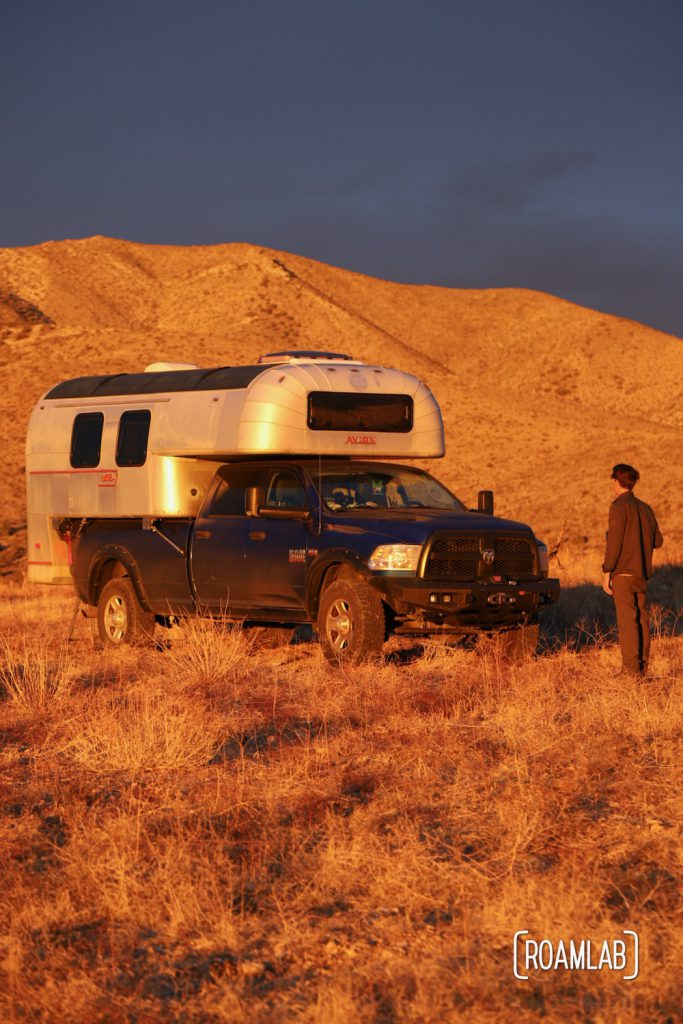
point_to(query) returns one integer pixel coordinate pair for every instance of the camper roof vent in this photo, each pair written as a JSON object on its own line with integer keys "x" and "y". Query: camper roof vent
{"x": 299, "y": 356}
{"x": 164, "y": 367}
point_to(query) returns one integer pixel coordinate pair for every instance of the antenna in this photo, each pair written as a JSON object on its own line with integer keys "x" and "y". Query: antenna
{"x": 320, "y": 493}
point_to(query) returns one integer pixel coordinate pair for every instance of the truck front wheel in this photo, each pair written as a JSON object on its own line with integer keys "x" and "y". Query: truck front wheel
{"x": 351, "y": 621}
{"x": 120, "y": 617}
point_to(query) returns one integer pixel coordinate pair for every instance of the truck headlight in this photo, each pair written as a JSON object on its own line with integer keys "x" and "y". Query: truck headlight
{"x": 543, "y": 559}
{"x": 395, "y": 558}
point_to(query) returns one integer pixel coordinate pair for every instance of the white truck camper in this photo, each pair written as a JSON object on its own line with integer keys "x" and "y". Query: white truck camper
{"x": 149, "y": 444}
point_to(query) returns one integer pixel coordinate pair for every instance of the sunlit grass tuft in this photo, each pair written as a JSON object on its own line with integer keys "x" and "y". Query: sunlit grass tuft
{"x": 209, "y": 651}
{"x": 142, "y": 730}
{"x": 35, "y": 672}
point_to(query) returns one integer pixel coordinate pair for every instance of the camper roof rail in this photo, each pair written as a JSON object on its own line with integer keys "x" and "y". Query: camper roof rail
{"x": 296, "y": 356}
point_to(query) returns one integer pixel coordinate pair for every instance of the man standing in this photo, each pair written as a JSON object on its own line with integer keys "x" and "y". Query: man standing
{"x": 632, "y": 535}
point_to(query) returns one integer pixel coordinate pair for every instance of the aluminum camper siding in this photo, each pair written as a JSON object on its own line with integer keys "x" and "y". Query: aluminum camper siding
{"x": 191, "y": 433}
{"x": 269, "y": 416}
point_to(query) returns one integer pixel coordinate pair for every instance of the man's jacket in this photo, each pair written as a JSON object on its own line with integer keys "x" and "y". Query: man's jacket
{"x": 631, "y": 536}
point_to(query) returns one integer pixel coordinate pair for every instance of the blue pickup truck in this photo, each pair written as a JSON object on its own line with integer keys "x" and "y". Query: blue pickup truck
{"x": 361, "y": 549}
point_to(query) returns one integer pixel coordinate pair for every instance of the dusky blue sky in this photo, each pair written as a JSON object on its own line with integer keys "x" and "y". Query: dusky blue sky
{"x": 529, "y": 143}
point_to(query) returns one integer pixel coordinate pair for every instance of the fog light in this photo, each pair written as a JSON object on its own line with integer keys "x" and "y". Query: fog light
{"x": 433, "y": 598}
{"x": 446, "y": 598}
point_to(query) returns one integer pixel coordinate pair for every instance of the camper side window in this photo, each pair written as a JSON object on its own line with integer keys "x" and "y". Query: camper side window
{"x": 131, "y": 445}
{"x": 86, "y": 440}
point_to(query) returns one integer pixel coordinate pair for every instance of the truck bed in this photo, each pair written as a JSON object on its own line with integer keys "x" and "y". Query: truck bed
{"x": 160, "y": 572}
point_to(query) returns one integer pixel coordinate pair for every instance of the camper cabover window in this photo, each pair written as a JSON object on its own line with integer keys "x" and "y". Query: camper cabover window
{"x": 329, "y": 410}
{"x": 86, "y": 440}
{"x": 131, "y": 445}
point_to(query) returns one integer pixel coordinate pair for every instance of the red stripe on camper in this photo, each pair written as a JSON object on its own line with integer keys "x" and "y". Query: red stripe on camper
{"x": 62, "y": 472}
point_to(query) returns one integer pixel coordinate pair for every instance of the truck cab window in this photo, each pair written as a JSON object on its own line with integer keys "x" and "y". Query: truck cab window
{"x": 286, "y": 491}
{"x": 394, "y": 487}
{"x": 231, "y": 493}
{"x": 86, "y": 440}
{"x": 131, "y": 444}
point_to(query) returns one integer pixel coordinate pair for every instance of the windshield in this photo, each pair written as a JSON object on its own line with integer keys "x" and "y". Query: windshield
{"x": 393, "y": 487}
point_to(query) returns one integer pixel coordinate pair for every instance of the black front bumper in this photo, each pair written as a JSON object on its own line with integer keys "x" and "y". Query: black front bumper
{"x": 467, "y": 607}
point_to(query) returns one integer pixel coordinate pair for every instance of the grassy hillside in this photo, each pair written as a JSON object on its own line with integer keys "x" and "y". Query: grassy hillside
{"x": 540, "y": 397}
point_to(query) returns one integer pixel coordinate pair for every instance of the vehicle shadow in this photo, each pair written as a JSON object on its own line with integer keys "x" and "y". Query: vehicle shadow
{"x": 270, "y": 737}
{"x": 584, "y": 615}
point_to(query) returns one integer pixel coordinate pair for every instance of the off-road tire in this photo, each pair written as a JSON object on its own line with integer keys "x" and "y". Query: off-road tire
{"x": 351, "y": 621}
{"x": 120, "y": 617}
{"x": 519, "y": 644}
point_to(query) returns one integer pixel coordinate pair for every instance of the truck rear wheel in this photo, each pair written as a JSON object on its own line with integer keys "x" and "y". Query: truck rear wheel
{"x": 351, "y": 621}
{"x": 120, "y": 617}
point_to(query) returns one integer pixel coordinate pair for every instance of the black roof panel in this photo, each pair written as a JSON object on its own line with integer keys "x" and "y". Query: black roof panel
{"x": 219, "y": 378}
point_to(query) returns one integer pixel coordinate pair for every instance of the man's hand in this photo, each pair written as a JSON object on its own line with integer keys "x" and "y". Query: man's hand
{"x": 606, "y": 584}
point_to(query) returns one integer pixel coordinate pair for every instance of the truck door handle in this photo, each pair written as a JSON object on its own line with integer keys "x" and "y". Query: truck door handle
{"x": 202, "y": 534}
{"x": 257, "y": 535}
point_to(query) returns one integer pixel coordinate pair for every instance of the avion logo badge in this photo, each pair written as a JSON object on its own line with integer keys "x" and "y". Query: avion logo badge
{"x": 360, "y": 439}
{"x": 109, "y": 478}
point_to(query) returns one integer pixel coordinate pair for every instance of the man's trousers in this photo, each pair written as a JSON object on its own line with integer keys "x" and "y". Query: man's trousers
{"x": 633, "y": 621}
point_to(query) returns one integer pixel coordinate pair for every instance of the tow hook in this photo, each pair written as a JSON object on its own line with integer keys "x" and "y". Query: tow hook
{"x": 502, "y": 598}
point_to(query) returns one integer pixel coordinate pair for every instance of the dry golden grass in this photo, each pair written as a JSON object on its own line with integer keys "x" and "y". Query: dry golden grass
{"x": 211, "y": 831}
{"x": 35, "y": 673}
{"x": 291, "y": 841}
{"x": 210, "y": 651}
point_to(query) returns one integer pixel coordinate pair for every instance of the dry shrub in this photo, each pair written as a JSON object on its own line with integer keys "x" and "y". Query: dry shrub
{"x": 140, "y": 731}
{"x": 335, "y": 1004}
{"x": 209, "y": 651}
{"x": 35, "y": 673}
{"x": 137, "y": 865}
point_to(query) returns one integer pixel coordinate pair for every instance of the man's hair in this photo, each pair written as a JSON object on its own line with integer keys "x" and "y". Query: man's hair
{"x": 626, "y": 475}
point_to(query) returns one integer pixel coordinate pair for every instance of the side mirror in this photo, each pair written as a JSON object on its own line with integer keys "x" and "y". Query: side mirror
{"x": 485, "y": 502}
{"x": 255, "y": 505}
{"x": 256, "y": 497}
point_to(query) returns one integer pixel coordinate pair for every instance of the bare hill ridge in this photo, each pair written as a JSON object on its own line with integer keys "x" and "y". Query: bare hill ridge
{"x": 540, "y": 396}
